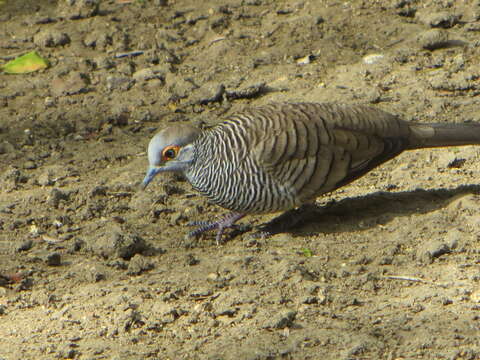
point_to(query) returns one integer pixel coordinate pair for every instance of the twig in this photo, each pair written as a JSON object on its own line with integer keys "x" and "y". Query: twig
{"x": 51, "y": 240}
{"x": 131, "y": 53}
{"x": 407, "y": 278}
{"x": 217, "y": 39}
{"x": 414, "y": 279}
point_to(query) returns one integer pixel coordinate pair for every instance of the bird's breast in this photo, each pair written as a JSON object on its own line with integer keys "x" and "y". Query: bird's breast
{"x": 238, "y": 184}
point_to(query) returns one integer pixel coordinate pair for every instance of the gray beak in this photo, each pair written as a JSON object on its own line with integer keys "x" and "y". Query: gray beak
{"x": 151, "y": 172}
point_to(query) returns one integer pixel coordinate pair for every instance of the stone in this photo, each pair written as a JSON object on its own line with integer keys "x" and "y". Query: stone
{"x": 433, "y": 39}
{"x": 51, "y": 38}
{"x": 6, "y": 147}
{"x": 54, "y": 259}
{"x": 282, "y": 320}
{"x": 116, "y": 243}
{"x": 55, "y": 196}
{"x": 432, "y": 249}
{"x": 25, "y": 246}
{"x": 72, "y": 84}
{"x": 139, "y": 264}
{"x": 373, "y": 58}
{"x": 29, "y": 165}
{"x": 77, "y": 9}
{"x": 145, "y": 75}
{"x": 441, "y": 19}
{"x": 451, "y": 160}
{"x": 121, "y": 83}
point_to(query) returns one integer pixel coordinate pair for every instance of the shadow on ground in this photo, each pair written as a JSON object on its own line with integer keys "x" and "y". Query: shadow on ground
{"x": 359, "y": 213}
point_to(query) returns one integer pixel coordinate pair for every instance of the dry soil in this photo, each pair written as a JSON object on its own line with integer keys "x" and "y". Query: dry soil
{"x": 92, "y": 268}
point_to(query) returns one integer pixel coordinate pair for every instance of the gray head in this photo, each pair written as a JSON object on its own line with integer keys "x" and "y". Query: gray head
{"x": 171, "y": 149}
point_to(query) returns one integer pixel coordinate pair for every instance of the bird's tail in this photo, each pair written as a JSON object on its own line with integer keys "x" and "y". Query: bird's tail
{"x": 440, "y": 135}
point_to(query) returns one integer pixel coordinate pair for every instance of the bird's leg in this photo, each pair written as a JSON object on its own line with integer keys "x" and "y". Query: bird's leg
{"x": 222, "y": 224}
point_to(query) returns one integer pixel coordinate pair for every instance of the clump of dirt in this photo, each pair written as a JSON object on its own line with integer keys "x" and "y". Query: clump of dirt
{"x": 92, "y": 268}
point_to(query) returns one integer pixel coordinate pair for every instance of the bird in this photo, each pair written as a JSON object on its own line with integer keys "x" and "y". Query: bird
{"x": 280, "y": 156}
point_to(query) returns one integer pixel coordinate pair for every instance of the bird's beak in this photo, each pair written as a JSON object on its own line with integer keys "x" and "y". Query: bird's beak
{"x": 151, "y": 172}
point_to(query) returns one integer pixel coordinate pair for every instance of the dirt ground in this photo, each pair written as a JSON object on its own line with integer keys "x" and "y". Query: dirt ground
{"x": 93, "y": 268}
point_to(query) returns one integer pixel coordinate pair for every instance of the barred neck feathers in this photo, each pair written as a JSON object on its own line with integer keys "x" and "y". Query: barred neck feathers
{"x": 218, "y": 153}
{"x": 226, "y": 172}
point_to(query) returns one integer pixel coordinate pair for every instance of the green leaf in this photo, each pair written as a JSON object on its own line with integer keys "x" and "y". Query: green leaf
{"x": 24, "y": 64}
{"x": 307, "y": 252}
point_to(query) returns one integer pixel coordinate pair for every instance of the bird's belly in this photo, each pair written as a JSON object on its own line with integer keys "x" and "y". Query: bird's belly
{"x": 243, "y": 192}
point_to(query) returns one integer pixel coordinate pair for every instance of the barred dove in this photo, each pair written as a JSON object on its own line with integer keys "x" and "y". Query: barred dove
{"x": 280, "y": 156}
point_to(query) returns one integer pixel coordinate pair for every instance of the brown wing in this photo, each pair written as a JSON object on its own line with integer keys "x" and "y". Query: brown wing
{"x": 312, "y": 149}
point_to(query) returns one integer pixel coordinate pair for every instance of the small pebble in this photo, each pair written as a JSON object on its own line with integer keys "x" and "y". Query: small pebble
{"x": 121, "y": 83}
{"x": 446, "y": 301}
{"x": 25, "y": 246}
{"x": 442, "y": 19}
{"x": 309, "y": 300}
{"x": 451, "y": 160}
{"x": 29, "y": 165}
{"x": 45, "y": 179}
{"x": 475, "y": 296}
{"x": 144, "y": 75}
{"x": 139, "y": 264}
{"x": 49, "y": 101}
{"x": 72, "y": 84}
{"x": 103, "y": 62}
{"x": 54, "y": 259}
{"x": 191, "y": 260}
{"x": 55, "y": 196}
{"x": 51, "y": 38}
{"x": 305, "y": 60}
{"x": 116, "y": 243}
{"x": 282, "y": 320}
{"x": 201, "y": 293}
{"x": 6, "y": 147}
{"x": 24, "y": 284}
{"x": 433, "y": 39}
{"x": 432, "y": 249}
{"x": 77, "y": 9}
{"x": 373, "y": 58}
{"x": 95, "y": 275}
{"x": 212, "y": 277}
{"x": 225, "y": 311}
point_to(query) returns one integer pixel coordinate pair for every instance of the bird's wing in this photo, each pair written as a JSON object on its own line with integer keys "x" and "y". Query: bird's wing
{"x": 312, "y": 155}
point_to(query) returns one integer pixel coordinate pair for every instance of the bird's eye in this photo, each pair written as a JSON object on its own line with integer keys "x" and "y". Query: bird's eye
{"x": 170, "y": 153}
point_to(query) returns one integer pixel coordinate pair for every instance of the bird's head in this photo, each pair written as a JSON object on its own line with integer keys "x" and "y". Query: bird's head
{"x": 171, "y": 149}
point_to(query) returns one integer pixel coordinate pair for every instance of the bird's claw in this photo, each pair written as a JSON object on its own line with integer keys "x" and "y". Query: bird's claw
{"x": 220, "y": 225}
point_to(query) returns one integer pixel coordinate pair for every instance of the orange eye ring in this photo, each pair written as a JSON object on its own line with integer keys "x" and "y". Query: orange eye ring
{"x": 170, "y": 152}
